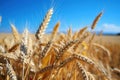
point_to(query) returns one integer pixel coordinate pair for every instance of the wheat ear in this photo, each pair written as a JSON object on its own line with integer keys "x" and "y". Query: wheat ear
{"x": 50, "y": 67}
{"x": 46, "y": 49}
{"x": 9, "y": 55}
{"x": 15, "y": 33}
{"x": 83, "y": 71}
{"x": 23, "y": 49}
{"x": 83, "y": 58}
{"x": 63, "y": 63}
{"x": 10, "y": 71}
{"x": 90, "y": 76}
{"x": 80, "y": 41}
{"x": 44, "y": 24}
{"x": 55, "y": 30}
{"x": 82, "y": 31}
{"x": 69, "y": 33}
{"x": 2, "y": 49}
{"x": 13, "y": 48}
{"x": 64, "y": 48}
{"x": 24, "y": 43}
{"x": 96, "y": 20}
{"x": 89, "y": 61}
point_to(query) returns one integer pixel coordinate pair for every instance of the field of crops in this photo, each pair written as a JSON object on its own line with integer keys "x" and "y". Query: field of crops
{"x": 81, "y": 55}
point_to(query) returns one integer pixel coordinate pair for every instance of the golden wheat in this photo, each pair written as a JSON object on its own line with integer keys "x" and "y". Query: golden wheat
{"x": 44, "y": 24}
{"x": 58, "y": 57}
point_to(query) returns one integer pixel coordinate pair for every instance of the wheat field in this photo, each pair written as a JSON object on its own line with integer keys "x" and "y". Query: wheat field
{"x": 81, "y": 55}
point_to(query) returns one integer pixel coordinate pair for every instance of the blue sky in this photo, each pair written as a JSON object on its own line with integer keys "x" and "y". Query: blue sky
{"x": 71, "y": 13}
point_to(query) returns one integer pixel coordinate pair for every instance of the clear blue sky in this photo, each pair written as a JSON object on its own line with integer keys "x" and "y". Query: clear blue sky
{"x": 71, "y": 13}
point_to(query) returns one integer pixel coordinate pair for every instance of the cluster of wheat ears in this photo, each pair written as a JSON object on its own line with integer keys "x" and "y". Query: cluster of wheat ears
{"x": 70, "y": 56}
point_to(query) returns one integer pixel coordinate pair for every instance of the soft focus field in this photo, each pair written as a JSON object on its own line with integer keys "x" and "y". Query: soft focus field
{"x": 112, "y": 43}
